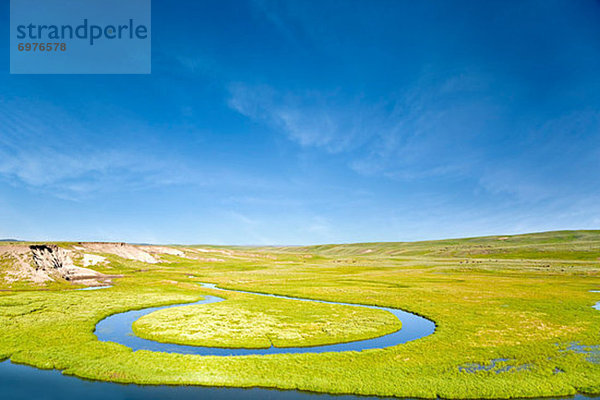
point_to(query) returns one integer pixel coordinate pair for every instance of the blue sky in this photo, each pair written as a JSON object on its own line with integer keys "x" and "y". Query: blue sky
{"x": 300, "y": 122}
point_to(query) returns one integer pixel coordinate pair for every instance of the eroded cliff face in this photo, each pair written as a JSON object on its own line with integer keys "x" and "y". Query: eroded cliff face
{"x": 49, "y": 257}
{"x": 21, "y": 266}
{"x": 56, "y": 262}
{"x": 42, "y": 262}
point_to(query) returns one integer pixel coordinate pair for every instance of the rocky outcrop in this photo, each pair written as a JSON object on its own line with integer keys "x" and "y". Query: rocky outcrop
{"x": 49, "y": 256}
{"x": 21, "y": 268}
{"x": 43, "y": 262}
{"x": 57, "y": 262}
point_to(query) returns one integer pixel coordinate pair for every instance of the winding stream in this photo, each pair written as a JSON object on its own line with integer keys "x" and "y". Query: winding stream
{"x": 118, "y": 328}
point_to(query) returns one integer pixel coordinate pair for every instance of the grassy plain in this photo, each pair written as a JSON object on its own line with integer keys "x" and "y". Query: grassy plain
{"x": 524, "y": 299}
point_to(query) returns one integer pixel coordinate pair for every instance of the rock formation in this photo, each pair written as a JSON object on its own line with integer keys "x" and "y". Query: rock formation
{"x": 57, "y": 262}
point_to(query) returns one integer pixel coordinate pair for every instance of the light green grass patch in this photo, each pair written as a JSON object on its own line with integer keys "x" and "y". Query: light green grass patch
{"x": 262, "y": 322}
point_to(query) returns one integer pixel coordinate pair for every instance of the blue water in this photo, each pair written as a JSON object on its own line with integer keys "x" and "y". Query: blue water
{"x": 118, "y": 328}
{"x": 19, "y": 382}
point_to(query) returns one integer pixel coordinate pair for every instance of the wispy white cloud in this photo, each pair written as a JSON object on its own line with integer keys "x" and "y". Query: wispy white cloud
{"x": 411, "y": 134}
{"x": 51, "y": 152}
{"x": 437, "y": 129}
{"x": 311, "y": 119}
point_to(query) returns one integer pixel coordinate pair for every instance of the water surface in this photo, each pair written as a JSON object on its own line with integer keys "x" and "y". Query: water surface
{"x": 20, "y": 382}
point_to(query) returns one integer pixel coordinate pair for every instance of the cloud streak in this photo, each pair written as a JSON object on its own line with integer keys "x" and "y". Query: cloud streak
{"x": 439, "y": 128}
{"x": 51, "y": 152}
{"x": 415, "y": 133}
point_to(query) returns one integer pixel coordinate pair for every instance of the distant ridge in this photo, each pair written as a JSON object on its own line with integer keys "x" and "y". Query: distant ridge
{"x": 583, "y": 245}
{"x": 11, "y": 240}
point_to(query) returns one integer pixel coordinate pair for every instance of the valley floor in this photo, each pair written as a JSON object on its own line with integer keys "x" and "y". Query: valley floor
{"x": 514, "y": 315}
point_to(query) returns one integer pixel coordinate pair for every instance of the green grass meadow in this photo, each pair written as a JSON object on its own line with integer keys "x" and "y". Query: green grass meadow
{"x": 525, "y": 299}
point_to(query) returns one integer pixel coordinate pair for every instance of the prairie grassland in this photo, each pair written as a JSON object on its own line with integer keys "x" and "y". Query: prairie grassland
{"x": 522, "y": 298}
